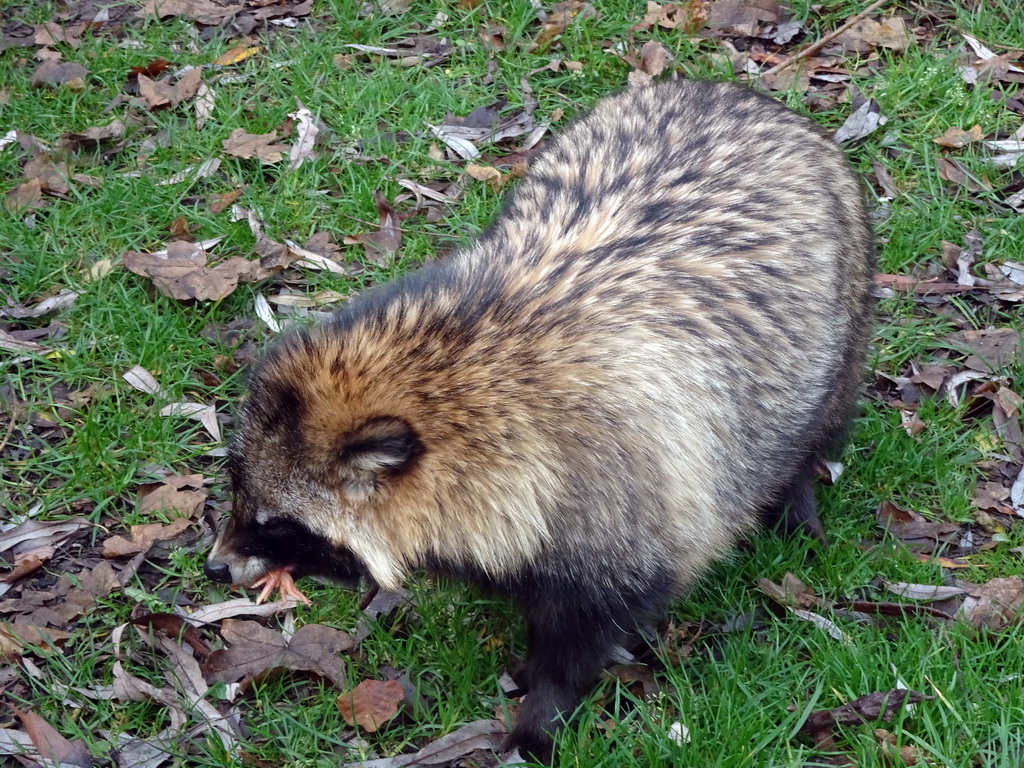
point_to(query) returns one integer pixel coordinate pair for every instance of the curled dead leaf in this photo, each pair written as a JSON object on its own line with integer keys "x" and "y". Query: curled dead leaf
{"x": 258, "y": 145}
{"x": 957, "y": 137}
{"x": 185, "y": 272}
{"x": 143, "y": 537}
{"x": 161, "y": 93}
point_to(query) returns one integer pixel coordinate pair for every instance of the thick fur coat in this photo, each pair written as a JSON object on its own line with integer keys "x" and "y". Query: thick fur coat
{"x": 648, "y": 349}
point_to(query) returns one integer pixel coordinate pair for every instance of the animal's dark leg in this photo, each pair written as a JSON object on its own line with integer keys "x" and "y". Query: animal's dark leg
{"x": 568, "y": 647}
{"x": 797, "y": 508}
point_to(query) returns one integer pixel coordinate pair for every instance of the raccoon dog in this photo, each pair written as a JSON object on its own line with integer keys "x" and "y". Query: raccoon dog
{"x": 648, "y": 349}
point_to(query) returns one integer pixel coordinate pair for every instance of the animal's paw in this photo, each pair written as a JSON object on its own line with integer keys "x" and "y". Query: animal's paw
{"x": 534, "y": 746}
{"x": 279, "y": 579}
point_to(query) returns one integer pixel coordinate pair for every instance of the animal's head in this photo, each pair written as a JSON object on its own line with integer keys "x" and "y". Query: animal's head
{"x": 311, "y": 469}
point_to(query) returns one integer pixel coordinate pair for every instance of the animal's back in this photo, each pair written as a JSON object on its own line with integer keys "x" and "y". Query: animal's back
{"x": 682, "y": 280}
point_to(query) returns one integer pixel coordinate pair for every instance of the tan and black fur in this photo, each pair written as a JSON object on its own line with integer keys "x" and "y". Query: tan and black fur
{"x": 648, "y": 349}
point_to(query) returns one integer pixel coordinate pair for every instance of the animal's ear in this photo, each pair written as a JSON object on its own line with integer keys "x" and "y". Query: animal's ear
{"x": 382, "y": 446}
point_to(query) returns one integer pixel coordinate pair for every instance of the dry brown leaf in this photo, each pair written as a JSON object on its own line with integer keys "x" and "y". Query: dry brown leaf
{"x": 948, "y": 562}
{"x": 994, "y": 605}
{"x": 654, "y": 58}
{"x": 791, "y": 593}
{"x": 53, "y": 32}
{"x": 885, "y": 180}
{"x": 222, "y": 201}
{"x": 99, "y": 134}
{"x": 55, "y": 73}
{"x": 371, "y": 703}
{"x": 868, "y": 34}
{"x": 912, "y": 423}
{"x": 479, "y": 735}
{"x": 928, "y": 593}
{"x": 52, "y": 172}
{"x": 273, "y": 255}
{"x": 255, "y": 649}
{"x": 907, "y": 754}
{"x": 143, "y": 537}
{"x": 258, "y": 145}
{"x": 239, "y": 606}
{"x": 51, "y": 746}
{"x": 178, "y": 495}
{"x": 745, "y": 18}
{"x": 951, "y": 170}
{"x": 992, "y": 496}
{"x": 180, "y": 229}
{"x": 558, "y": 18}
{"x": 25, "y": 563}
{"x": 863, "y": 121}
{"x": 914, "y": 530}
{"x": 152, "y": 69}
{"x": 881, "y": 705}
{"x": 485, "y": 173}
{"x": 387, "y": 239}
{"x": 957, "y": 137}
{"x": 185, "y": 273}
{"x": 160, "y": 93}
{"x": 989, "y": 350}
{"x": 688, "y": 16}
{"x": 28, "y": 194}
{"x": 206, "y": 12}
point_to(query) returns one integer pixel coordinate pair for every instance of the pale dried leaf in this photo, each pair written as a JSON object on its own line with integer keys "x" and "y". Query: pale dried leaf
{"x": 206, "y": 100}
{"x": 112, "y": 131}
{"x": 50, "y": 746}
{"x": 302, "y": 149}
{"x": 203, "y": 170}
{"x": 995, "y": 604}
{"x": 204, "y": 414}
{"x": 141, "y": 379}
{"x": 11, "y": 344}
{"x": 460, "y": 147}
{"x": 266, "y": 314}
{"x": 35, "y": 534}
{"x": 312, "y": 260}
{"x": 864, "y": 121}
{"x": 922, "y": 592}
{"x": 240, "y": 606}
{"x": 424, "y": 191}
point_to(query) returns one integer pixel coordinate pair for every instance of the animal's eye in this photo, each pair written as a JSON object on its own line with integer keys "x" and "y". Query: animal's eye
{"x": 278, "y": 527}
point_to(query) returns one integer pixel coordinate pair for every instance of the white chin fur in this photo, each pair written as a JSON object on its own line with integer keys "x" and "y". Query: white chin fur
{"x": 245, "y": 572}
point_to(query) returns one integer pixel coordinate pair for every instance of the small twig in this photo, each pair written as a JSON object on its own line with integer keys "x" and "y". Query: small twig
{"x": 786, "y": 63}
{"x": 8, "y": 433}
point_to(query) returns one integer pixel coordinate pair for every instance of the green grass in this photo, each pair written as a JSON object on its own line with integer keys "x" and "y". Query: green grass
{"x": 742, "y": 694}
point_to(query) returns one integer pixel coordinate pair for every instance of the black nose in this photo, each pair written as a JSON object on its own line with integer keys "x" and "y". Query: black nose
{"x": 217, "y": 571}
